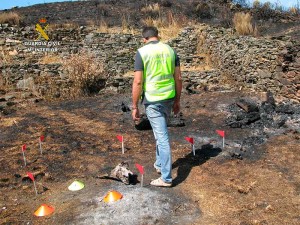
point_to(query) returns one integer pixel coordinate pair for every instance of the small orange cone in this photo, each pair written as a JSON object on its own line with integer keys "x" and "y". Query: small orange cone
{"x": 44, "y": 210}
{"x": 113, "y": 196}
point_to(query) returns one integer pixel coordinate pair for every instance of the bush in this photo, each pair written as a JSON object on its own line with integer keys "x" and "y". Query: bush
{"x": 86, "y": 74}
{"x": 294, "y": 11}
{"x": 103, "y": 27}
{"x": 256, "y": 4}
{"x": 203, "y": 11}
{"x": 10, "y": 18}
{"x": 151, "y": 10}
{"x": 264, "y": 11}
{"x": 168, "y": 26}
{"x": 166, "y": 3}
{"x": 226, "y": 16}
{"x": 243, "y": 25}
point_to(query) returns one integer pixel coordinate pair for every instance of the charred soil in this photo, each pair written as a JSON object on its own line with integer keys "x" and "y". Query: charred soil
{"x": 253, "y": 183}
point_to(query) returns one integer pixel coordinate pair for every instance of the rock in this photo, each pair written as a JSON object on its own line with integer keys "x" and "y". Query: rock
{"x": 26, "y": 95}
{"x": 247, "y": 105}
{"x": 264, "y": 73}
{"x": 26, "y": 83}
{"x": 10, "y": 97}
{"x": 2, "y": 105}
{"x": 9, "y": 103}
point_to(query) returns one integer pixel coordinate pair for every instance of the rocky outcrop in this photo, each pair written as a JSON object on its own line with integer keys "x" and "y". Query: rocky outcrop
{"x": 248, "y": 63}
{"x": 259, "y": 64}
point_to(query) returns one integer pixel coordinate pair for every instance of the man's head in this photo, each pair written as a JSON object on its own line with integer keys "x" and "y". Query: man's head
{"x": 149, "y": 33}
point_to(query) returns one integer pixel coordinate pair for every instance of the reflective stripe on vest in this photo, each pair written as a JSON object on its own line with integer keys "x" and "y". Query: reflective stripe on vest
{"x": 159, "y": 66}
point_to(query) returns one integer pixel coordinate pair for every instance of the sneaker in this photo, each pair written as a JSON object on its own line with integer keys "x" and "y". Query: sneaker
{"x": 160, "y": 183}
{"x": 157, "y": 169}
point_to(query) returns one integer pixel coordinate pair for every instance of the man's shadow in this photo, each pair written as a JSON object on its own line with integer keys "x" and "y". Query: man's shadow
{"x": 186, "y": 164}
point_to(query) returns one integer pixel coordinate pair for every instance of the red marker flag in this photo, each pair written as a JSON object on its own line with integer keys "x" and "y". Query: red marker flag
{"x": 221, "y": 133}
{"x": 23, "y": 148}
{"x": 120, "y": 138}
{"x": 140, "y": 168}
{"x": 42, "y": 138}
{"x": 189, "y": 139}
{"x": 30, "y": 176}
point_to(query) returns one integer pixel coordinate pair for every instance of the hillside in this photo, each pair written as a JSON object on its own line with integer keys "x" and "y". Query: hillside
{"x": 134, "y": 14}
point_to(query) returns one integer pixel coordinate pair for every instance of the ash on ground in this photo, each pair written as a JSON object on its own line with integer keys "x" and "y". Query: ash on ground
{"x": 142, "y": 205}
{"x": 265, "y": 119}
{"x": 246, "y": 113}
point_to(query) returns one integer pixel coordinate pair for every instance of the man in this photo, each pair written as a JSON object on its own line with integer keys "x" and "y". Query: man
{"x": 157, "y": 78}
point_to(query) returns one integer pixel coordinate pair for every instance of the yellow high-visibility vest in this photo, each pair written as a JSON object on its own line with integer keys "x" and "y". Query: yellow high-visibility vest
{"x": 158, "y": 75}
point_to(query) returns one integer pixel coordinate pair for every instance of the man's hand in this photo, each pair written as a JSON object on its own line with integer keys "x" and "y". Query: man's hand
{"x": 178, "y": 88}
{"x": 135, "y": 114}
{"x": 176, "y": 107}
{"x": 136, "y": 93}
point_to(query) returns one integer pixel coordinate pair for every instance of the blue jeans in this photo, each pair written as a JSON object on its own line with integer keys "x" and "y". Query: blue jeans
{"x": 157, "y": 114}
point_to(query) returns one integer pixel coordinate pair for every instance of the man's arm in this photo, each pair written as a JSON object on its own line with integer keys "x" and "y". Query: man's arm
{"x": 178, "y": 88}
{"x": 136, "y": 93}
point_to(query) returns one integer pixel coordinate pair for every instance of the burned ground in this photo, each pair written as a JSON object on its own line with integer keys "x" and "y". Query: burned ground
{"x": 253, "y": 180}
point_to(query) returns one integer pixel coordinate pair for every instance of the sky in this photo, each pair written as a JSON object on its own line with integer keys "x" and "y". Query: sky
{"x": 7, "y": 4}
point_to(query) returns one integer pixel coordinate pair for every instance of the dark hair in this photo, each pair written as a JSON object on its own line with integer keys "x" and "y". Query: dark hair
{"x": 149, "y": 32}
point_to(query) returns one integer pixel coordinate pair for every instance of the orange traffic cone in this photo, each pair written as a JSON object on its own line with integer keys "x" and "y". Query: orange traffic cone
{"x": 113, "y": 196}
{"x": 44, "y": 210}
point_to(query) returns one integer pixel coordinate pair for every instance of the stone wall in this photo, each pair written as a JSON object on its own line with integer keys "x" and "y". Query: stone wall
{"x": 115, "y": 51}
{"x": 251, "y": 63}
{"x": 255, "y": 63}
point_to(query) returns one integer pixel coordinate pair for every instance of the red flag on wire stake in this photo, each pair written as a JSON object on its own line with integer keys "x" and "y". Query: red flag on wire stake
{"x": 121, "y": 139}
{"x": 191, "y": 140}
{"x": 30, "y": 175}
{"x": 141, "y": 170}
{"x": 222, "y": 134}
{"x": 23, "y": 150}
{"x": 41, "y": 139}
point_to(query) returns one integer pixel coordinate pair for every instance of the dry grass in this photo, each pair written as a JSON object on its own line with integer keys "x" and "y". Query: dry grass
{"x": 50, "y": 59}
{"x": 151, "y": 10}
{"x": 256, "y": 4}
{"x": 294, "y": 11}
{"x": 10, "y": 18}
{"x": 85, "y": 73}
{"x": 125, "y": 24}
{"x": 243, "y": 24}
{"x": 5, "y": 58}
{"x": 103, "y": 27}
{"x": 63, "y": 26}
{"x": 168, "y": 26}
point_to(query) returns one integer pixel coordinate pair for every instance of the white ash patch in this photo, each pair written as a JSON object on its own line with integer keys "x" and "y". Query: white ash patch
{"x": 141, "y": 206}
